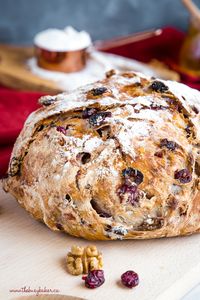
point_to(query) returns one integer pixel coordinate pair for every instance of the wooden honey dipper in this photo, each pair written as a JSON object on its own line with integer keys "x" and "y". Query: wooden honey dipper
{"x": 190, "y": 54}
{"x": 193, "y": 10}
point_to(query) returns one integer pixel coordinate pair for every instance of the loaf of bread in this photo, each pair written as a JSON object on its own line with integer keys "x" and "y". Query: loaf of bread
{"x": 117, "y": 159}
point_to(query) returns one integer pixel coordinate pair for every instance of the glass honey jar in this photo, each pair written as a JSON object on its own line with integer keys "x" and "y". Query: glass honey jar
{"x": 190, "y": 51}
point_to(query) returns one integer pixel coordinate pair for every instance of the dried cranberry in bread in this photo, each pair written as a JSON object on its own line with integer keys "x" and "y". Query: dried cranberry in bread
{"x": 117, "y": 159}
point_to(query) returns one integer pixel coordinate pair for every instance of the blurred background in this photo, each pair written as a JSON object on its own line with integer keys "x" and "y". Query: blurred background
{"x": 20, "y": 20}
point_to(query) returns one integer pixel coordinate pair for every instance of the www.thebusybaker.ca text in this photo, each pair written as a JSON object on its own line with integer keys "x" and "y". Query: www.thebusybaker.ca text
{"x": 35, "y": 291}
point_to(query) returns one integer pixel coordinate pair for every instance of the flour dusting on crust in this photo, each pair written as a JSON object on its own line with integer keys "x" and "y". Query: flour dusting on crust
{"x": 117, "y": 159}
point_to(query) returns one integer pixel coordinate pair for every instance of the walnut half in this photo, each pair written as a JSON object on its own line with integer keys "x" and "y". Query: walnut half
{"x": 82, "y": 260}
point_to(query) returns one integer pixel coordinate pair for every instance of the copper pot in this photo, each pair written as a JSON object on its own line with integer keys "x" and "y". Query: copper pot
{"x": 61, "y": 61}
{"x": 73, "y": 61}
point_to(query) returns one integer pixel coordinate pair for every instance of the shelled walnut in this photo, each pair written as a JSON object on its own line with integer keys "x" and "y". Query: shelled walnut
{"x": 82, "y": 260}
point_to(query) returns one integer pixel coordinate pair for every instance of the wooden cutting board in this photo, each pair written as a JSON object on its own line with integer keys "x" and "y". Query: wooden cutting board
{"x": 31, "y": 255}
{"x": 14, "y": 72}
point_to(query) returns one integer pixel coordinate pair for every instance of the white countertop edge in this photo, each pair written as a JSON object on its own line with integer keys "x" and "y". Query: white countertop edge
{"x": 182, "y": 286}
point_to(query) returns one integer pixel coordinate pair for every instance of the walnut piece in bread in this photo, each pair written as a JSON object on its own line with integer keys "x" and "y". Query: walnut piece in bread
{"x": 117, "y": 159}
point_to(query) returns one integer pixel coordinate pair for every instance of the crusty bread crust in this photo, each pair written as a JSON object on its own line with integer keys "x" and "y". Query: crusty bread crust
{"x": 118, "y": 159}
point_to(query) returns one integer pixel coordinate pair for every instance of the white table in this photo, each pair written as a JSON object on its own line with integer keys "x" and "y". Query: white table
{"x": 194, "y": 294}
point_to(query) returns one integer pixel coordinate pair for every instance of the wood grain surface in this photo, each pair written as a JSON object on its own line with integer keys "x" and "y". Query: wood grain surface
{"x": 15, "y": 74}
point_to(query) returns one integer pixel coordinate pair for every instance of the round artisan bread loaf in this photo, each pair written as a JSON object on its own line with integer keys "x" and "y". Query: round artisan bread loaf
{"x": 117, "y": 159}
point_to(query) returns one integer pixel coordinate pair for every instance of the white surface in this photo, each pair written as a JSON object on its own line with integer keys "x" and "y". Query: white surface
{"x": 32, "y": 255}
{"x": 97, "y": 64}
{"x": 194, "y": 294}
{"x": 62, "y": 40}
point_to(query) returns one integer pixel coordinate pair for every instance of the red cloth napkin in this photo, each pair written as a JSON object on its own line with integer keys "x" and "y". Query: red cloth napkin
{"x": 15, "y": 106}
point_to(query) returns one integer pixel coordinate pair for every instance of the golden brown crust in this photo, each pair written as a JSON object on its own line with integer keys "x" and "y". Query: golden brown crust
{"x": 118, "y": 159}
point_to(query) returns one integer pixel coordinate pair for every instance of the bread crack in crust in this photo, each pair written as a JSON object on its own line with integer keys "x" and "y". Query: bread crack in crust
{"x": 117, "y": 159}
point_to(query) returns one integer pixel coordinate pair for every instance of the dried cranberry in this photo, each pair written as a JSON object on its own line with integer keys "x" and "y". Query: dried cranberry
{"x": 159, "y": 154}
{"x": 94, "y": 279}
{"x": 128, "y": 193}
{"x": 98, "y": 91}
{"x": 133, "y": 175}
{"x": 171, "y": 145}
{"x": 61, "y": 129}
{"x": 97, "y": 119}
{"x": 88, "y": 112}
{"x": 184, "y": 176}
{"x": 159, "y": 86}
{"x": 130, "y": 279}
